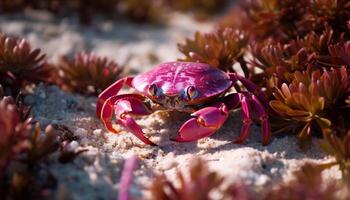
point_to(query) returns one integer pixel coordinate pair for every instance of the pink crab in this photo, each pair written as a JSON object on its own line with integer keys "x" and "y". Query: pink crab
{"x": 195, "y": 88}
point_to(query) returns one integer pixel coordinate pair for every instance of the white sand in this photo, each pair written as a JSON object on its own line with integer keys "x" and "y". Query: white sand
{"x": 96, "y": 173}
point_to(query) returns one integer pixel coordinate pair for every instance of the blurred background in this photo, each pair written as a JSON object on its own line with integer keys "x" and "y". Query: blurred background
{"x": 137, "y": 33}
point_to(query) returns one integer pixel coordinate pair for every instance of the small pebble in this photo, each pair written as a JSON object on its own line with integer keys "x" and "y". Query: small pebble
{"x": 73, "y": 145}
{"x": 80, "y": 132}
{"x": 97, "y": 132}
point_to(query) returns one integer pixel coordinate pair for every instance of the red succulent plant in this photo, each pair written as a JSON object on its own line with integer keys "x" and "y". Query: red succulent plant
{"x": 222, "y": 48}
{"x": 87, "y": 73}
{"x": 311, "y": 100}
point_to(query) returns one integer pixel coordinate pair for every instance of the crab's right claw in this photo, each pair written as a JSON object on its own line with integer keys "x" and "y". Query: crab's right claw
{"x": 109, "y": 92}
{"x": 124, "y": 107}
{"x": 206, "y": 122}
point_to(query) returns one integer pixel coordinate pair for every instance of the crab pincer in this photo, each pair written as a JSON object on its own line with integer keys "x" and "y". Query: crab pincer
{"x": 206, "y": 122}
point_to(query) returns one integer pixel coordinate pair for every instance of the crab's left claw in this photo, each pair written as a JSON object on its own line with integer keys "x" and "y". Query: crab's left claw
{"x": 206, "y": 122}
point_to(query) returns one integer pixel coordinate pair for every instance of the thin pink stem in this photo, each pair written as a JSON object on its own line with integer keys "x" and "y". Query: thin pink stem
{"x": 126, "y": 179}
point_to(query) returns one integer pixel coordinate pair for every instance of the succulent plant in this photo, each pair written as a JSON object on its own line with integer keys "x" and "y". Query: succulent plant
{"x": 87, "y": 73}
{"x": 311, "y": 99}
{"x": 200, "y": 179}
{"x": 220, "y": 49}
{"x": 19, "y": 63}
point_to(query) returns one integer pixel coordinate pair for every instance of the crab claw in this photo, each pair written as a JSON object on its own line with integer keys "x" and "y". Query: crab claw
{"x": 125, "y": 106}
{"x": 206, "y": 122}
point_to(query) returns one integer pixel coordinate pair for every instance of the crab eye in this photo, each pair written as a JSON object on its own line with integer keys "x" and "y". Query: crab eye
{"x": 152, "y": 90}
{"x": 191, "y": 92}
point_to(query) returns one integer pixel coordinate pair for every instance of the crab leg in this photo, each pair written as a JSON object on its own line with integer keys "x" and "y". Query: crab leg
{"x": 263, "y": 117}
{"x": 110, "y": 92}
{"x": 206, "y": 121}
{"x": 125, "y": 106}
{"x": 251, "y": 87}
{"x": 247, "y": 119}
{"x": 254, "y": 98}
{"x": 248, "y": 102}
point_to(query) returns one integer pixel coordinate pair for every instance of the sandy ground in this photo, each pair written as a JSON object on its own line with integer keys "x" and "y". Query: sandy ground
{"x": 96, "y": 173}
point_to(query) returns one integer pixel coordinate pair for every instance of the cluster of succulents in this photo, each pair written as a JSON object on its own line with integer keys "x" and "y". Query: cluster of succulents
{"x": 21, "y": 67}
{"x": 24, "y": 148}
{"x": 297, "y": 51}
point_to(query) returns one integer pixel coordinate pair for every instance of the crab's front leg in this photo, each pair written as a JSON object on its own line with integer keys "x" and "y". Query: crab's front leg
{"x": 205, "y": 122}
{"x": 125, "y": 107}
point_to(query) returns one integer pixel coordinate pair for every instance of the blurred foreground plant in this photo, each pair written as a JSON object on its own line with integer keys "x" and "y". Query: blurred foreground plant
{"x": 23, "y": 154}
{"x": 87, "y": 73}
{"x": 339, "y": 148}
{"x": 200, "y": 183}
{"x": 308, "y": 184}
